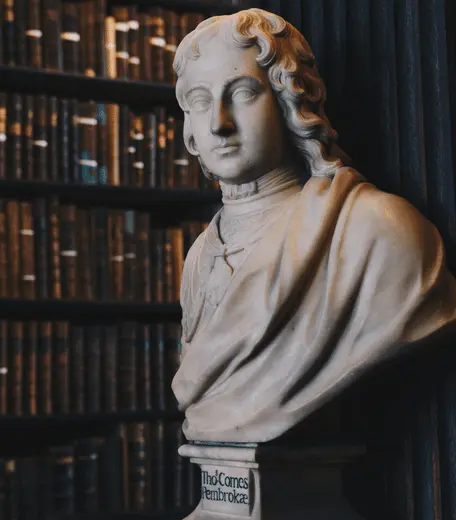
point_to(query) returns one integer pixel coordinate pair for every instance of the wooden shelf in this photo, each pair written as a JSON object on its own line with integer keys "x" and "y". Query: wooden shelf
{"x": 38, "y": 422}
{"x": 169, "y": 515}
{"x": 138, "y": 94}
{"x": 89, "y": 311}
{"x": 112, "y": 196}
{"x": 31, "y": 435}
{"x": 184, "y": 5}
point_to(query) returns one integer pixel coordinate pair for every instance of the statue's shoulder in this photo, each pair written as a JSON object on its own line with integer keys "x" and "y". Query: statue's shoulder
{"x": 392, "y": 224}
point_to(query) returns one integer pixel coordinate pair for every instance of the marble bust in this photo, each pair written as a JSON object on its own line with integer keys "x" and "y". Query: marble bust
{"x": 308, "y": 275}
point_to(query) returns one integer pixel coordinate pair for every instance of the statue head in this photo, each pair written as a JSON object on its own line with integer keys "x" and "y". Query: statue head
{"x": 252, "y": 98}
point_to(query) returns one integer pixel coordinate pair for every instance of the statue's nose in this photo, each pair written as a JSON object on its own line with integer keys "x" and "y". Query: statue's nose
{"x": 222, "y": 119}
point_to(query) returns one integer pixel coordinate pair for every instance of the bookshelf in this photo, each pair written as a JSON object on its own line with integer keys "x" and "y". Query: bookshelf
{"x": 98, "y": 205}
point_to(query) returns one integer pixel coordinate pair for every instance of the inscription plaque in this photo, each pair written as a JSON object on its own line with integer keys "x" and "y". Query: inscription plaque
{"x": 226, "y": 490}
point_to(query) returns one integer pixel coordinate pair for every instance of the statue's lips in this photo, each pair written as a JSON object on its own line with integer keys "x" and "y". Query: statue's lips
{"x": 227, "y": 149}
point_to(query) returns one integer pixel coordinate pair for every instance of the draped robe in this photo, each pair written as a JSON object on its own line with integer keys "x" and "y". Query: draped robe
{"x": 346, "y": 277}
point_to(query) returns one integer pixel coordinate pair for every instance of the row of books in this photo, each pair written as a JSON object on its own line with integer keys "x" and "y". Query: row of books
{"x": 60, "y": 140}
{"x": 135, "y": 469}
{"x": 74, "y": 141}
{"x": 52, "y": 368}
{"x": 53, "y": 250}
{"x": 79, "y": 37}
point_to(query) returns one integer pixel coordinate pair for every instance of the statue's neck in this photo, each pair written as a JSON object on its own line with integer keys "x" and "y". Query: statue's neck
{"x": 270, "y": 189}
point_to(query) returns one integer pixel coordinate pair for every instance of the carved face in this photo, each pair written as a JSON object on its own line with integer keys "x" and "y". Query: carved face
{"x": 233, "y": 114}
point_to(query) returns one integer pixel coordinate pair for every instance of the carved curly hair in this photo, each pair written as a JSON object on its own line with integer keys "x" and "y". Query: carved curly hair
{"x": 292, "y": 73}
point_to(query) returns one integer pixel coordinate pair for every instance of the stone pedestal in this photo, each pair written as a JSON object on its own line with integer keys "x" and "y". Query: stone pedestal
{"x": 262, "y": 482}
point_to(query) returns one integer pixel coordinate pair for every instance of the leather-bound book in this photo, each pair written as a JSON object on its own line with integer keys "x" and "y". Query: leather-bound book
{"x": 144, "y": 377}
{"x": 61, "y": 368}
{"x": 77, "y": 368}
{"x": 134, "y": 58}
{"x": 27, "y": 252}
{"x": 45, "y": 368}
{"x": 93, "y": 338}
{"x": 109, "y": 364}
{"x": 157, "y": 44}
{"x": 172, "y": 33}
{"x": 127, "y": 367}
{"x": 68, "y": 251}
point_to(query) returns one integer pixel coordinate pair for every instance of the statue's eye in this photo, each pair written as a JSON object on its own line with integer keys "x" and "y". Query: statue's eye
{"x": 200, "y": 104}
{"x": 243, "y": 95}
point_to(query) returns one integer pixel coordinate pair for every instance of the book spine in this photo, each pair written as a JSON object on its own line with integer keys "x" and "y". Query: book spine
{"x": 144, "y": 367}
{"x": 34, "y": 35}
{"x": 109, "y": 370}
{"x": 12, "y": 490}
{"x": 27, "y": 251}
{"x": 122, "y": 55}
{"x": 64, "y": 132}
{"x": 53, "y": 139}
{"x": 77, "y": 371}
{"x": 127, "y": 367}
{"x": 41, "y": 231}
{"x": 52, "y": 43}
{"x": 159, "y": 366}
{"x": 102, "y": 265}
{"x": 143, "y": 279}
{"x": 3, "y": 135}
{"x": 63, "y": 480}
{"x": 150, "y": 149}
{"x": 31, "y": 368}
{"x": 145, "y": 24}
{"x": 161, "y": 158}
{"x": 160, "y": 466}
{"x": 54, "y": 249}
{"x": 15, "y": 364}
{"x": 93, "y": 369}
{"x": 14, "y": 136}
{"x": 112, "y": 110}
{"x": 171, "y": 37}
{"x": 4, "y": 291}
{"x": 27, "y": 138}
{"x": 40, "y": 139}
{"x": 137, "y": 466}
{"x": 168, "y": 267}
{"x": 3, "y": 367}
{"x": 100, "y": 14}
{"x": 45, "y": 368}
{"x": 86, "y": 475}
{"x": 116, "y": 221}
{"x": 134, "y": 61}
{"x": 70, "y": 37}
{"x": 68, "y": 251}
{"x": 177, "y": 237}
{"x": 13, "y": 251}
{"x": 170, "y": 179}
{"x": 157, "y": 44}
{"x": 157, "y": 263}
{"x": 137, "y": 150}
{"x": 85, "y": 257}
{"x": 8, "y": 30}
{"x": 130, "y": 257}
{"x": 61, "y": 365}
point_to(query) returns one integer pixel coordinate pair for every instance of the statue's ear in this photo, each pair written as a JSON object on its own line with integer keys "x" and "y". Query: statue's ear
{"x": 189, "y": 140}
